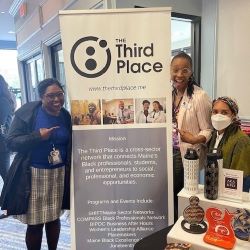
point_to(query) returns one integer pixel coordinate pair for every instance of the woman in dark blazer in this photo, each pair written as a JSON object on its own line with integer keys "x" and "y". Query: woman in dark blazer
{"x": 37, "y": 186}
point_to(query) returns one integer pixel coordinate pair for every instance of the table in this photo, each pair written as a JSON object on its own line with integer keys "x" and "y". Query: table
{"x": 183, "y": 202}
{"x": 178, "y": 235}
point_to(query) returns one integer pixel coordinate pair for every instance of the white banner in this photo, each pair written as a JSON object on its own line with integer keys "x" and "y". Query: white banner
{"x": 117, "y": 73}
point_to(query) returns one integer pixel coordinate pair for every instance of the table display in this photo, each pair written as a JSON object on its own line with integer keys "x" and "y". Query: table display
{"x": 178, "y": 235}
{"x": 240, "y": 223}
{"x": 230, "y": 205}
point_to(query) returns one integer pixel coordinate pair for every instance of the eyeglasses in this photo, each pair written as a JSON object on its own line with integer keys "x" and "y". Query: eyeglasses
{"x": 52, "y": 96}
{"x": 184, "y": 71}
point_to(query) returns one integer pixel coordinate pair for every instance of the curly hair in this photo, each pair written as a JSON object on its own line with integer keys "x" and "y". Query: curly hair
{"x": 44, "y": 84}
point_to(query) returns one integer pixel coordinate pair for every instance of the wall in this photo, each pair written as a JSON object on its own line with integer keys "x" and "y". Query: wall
{"x": 208, "y": 46}
{"x": 207, "y": 9}
{"x": 233, "y": 64}
{"x": 42, "y": 23}
{"x": 39, "y": 29}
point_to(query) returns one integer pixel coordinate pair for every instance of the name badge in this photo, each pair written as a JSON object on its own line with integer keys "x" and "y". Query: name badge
{"x": 54, "y": 157}
{"x": 186, "y": 105}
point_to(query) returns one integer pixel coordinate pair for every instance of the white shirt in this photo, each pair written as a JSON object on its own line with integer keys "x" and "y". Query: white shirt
{"x": 124, "y": 116}
{"x": 218, "y": 139}
{"x": 141, "y": 118}
{"x": 157, "y": 117}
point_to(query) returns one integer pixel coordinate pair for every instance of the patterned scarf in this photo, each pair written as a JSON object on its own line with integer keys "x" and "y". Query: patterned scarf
{"x": 232, "y": 128}
{"x": 232, "y": 104}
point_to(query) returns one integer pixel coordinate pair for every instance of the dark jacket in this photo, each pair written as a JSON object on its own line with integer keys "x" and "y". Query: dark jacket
{"x": 5, "y": 120}
{"x": 22, "y": 139}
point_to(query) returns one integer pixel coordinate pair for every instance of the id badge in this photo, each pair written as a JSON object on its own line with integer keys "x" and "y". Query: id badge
{"x": 186, "y": 105}
{"x": 55, "y": 157}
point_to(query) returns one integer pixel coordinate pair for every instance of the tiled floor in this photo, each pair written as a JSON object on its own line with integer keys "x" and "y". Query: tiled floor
{"x": 12, "y": 234}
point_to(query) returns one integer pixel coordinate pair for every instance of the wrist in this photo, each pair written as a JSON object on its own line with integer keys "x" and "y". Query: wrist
{"x": 199, "y": 139}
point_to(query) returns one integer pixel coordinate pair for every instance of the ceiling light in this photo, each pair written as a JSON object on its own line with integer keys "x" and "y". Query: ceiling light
{"x": 11, "y": 32}
{"x": 2, "y": 12}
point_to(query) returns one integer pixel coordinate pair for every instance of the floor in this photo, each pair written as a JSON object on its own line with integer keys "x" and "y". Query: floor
{"x": 12, "y": 233}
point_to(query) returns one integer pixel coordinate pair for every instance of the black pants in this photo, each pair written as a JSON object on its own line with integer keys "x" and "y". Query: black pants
{"x": 178, "y": 176}
{"x": 34, "y": 235}
{"x": 4, "y": 164}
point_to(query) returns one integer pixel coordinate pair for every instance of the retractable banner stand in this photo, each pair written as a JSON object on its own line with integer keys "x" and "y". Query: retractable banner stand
{"x": 117, "y": 73}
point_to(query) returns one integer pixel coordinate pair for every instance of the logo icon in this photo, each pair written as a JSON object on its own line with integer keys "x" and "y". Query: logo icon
{"x": 90, "y": 56}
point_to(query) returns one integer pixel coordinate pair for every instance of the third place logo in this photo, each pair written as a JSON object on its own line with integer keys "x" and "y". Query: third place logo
{"x": 90, "y": 56}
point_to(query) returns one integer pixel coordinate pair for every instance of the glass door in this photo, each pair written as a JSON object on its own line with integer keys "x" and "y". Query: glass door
{"x": 185, "y": 36}
{"x": 58, "y": 68}
{"x": 34, "y": 73}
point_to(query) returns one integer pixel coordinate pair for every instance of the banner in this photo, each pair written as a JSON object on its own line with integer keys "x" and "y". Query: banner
{"x": 117, "y": 73}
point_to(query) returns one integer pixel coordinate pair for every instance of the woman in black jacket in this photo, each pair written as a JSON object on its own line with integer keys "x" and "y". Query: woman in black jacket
{"x": 37, "y": 185}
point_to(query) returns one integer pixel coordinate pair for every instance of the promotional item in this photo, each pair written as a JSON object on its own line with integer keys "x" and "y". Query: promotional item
{"x": 193, "y": 217}
{"x": 241, "y": 224}
{"x": 211, "y": 177}
{"x": 220, "y": 232}
{"x": 191, "y": 171}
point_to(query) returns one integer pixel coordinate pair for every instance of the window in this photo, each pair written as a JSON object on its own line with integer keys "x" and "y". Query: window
{"x": 58, "y": 63}
{"x": 9, "y": 70}
{"x": 180, "y": 36}
{"x": 34, "y": 73}
{"x": 185, "y": 36}
{"x": 58, "y": 68}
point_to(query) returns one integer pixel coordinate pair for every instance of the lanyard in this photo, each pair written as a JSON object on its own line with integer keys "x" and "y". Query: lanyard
{"x": 175, "y": 109}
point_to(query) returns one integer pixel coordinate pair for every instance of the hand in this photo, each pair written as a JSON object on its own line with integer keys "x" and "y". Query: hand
{"x": 46, "y": 132}
{"x": 187, "y": 136}
{"x": 190, "y": 138}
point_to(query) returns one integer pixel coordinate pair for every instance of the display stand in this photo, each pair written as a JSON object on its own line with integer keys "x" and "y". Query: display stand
{"x": 183, "y": 202}
{"x": 178, "y": 235}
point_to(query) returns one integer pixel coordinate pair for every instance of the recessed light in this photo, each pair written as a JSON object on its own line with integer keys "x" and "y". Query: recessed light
{"x": 2, "y": 12}
{"x": 11, "y": 32}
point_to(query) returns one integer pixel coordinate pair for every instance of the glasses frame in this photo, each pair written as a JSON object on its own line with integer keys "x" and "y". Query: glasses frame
{"x": 53, "y": 96}
{"x": 184, "y": 71}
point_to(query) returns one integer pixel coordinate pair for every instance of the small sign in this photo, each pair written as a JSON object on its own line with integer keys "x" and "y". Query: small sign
{"x": 230, "y": 183}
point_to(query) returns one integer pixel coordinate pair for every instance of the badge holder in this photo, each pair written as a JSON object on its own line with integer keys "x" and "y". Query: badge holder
{"x": 54, "y": 157}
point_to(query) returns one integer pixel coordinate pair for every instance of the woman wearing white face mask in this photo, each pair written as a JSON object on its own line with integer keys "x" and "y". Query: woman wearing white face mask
{"x": 229, "y": 139}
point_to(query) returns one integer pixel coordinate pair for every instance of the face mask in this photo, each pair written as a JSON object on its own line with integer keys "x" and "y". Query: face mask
{"x": 220, "y": 121}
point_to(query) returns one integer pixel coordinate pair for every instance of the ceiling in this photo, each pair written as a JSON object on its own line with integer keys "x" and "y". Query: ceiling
{"x": 6, "y": 21}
